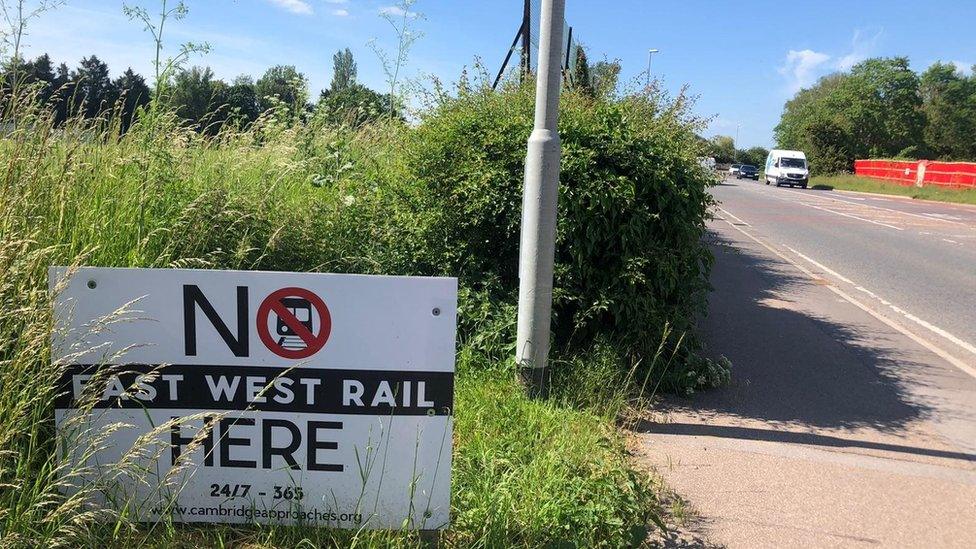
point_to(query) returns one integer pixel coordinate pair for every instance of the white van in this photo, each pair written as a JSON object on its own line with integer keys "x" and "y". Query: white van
{"x": 787, "y": 168}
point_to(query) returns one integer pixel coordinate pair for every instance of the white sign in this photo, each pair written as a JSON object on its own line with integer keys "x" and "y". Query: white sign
{"x": 226, "y": 396}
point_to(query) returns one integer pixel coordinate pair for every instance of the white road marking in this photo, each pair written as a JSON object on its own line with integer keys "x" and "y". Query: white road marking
{"x": 933, "y": 328}
{"x": 939, "y": 217}
{"x": 835, "y": 212}
{"x": 927, "y": 325}
{"x": 736, "y": 218}
{"x": 890, "y": 215}
{"x": 945, "y": 355}
{"x": 949, "y": 241}
{"x": 851, "y": 216}
{"x": 872, "y": 294}
{"x": 865, "y": 290}
{"x": 880, "y": 215}
{"x": 822, "y": 267}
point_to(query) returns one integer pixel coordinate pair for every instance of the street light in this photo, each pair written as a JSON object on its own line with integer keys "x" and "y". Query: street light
{"x": 735, "y": 145}
{"x": 649, "y": 54}
{"x": 540, "y": 197}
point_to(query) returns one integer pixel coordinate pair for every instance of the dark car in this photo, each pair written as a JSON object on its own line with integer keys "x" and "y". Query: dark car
{"x": 748, "y": 172}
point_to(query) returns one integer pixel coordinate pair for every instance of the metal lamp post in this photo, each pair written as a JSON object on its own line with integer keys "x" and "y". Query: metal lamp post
{"x": 649, "y": 54}
{"x": 735, "y": 145}
{"x": 540, "y": 195}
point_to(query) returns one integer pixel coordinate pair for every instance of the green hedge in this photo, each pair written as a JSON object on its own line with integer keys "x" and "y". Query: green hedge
{"x": 630, "y": 262}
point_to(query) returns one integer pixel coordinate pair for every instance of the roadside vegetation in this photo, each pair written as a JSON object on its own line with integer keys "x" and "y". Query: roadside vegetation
{"x": 345, "y": 185}
{"x": 847, "y": 182}
{"x": 723, "y": 149}
{"x": 881, "y": 108}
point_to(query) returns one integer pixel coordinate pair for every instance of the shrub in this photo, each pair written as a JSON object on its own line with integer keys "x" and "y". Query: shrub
{"x": 630, "y": 262}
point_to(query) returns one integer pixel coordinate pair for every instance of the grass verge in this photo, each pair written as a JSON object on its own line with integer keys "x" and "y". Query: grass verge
{"x": 527, "y": 473}
{"x": 877, "y": 186}
{"x": 319, "y": 198}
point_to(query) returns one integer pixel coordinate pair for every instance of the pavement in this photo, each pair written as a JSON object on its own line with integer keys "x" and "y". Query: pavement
{"x": 851, "y": 418}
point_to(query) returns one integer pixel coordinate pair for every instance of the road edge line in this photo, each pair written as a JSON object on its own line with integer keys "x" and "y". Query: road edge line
{"x": 945, "y": 355}
{"x": 913, "y": 214}
{"x": 821, "y": 208}
{"x": 822, "y": 267}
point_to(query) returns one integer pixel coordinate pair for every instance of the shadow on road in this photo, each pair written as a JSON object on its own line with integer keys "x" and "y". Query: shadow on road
{"x": 791, "y": 368}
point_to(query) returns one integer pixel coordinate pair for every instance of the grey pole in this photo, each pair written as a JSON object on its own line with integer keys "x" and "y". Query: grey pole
{"x": 735, "y": 146}
{"x": 539, "y": 200}
{"x": 649, "y": 54}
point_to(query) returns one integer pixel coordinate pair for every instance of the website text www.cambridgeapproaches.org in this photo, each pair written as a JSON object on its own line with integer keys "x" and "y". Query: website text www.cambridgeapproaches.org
{"x": 310, "y": 516}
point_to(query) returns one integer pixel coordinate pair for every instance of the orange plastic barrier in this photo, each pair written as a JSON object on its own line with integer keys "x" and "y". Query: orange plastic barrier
{"x": 954, "y": 175}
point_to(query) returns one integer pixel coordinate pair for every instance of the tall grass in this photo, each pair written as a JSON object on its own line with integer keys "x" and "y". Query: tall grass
{"x": 293, "y": 196}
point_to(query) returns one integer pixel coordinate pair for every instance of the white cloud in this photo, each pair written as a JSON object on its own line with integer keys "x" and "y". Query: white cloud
{"x": 847, "y": 62}
{"x": 299, "y": 7}
{"x": 336, "y": 1}
{"x": 340, "y": 13}
{"x": 397, "y": 11}
{"x": 862, "y": 47}
{"x": 802, "y": 68}
{"x": 963, "y": 67}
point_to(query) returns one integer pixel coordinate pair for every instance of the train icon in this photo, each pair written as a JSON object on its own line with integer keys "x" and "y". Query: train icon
{"x": 302, "y": 310}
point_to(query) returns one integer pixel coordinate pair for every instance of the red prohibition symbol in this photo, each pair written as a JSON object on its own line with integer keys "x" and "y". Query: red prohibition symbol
{"x": 295, "y": 334}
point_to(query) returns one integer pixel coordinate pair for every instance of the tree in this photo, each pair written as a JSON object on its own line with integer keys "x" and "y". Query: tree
{"x": 605, "y": 76}
{"x": 40, "y": 72}
{"x": 37, "y": 76}
{"x": 949, "y": 105}
{"x": 722, "y": 147}
{"x": 133, "y": 94}
{"x": 94, "y": 87}
{"x": 581, "y": 74}
{"x": 356, "y": 105}
{"x": 828, "y": 145}
{"x": 887, "y": 92}
{"x": 346, "y": 102}
{"x": 804, "y": 107}
{"x": 63, "y": 94}
{"x": 282, "y": 83}
{"x": 755, "y": 156}
{"x": 875, "y": 110}
{"x": 343, "y": 70}
{"x": 241, "y": 99}
{"x": 196, "y": 95}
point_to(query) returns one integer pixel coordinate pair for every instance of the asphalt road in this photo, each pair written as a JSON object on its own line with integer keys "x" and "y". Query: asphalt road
{"x": 850, "y": 321}
{"x": 915, "y": 261}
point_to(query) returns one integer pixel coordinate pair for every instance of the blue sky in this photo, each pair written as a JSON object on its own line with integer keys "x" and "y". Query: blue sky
{"x": 743, "y": 59}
